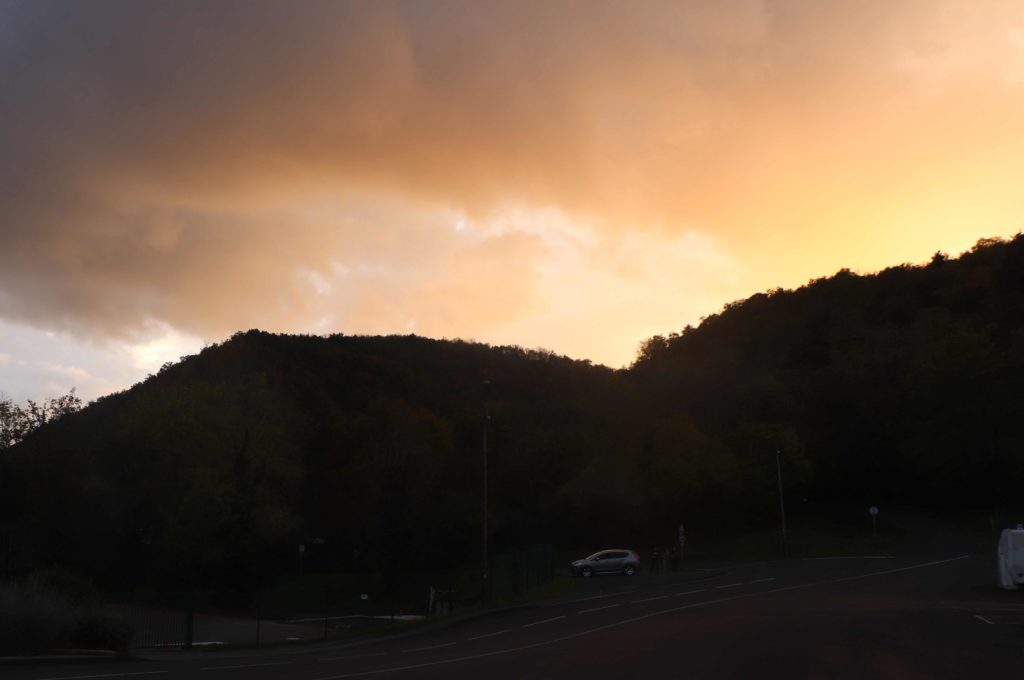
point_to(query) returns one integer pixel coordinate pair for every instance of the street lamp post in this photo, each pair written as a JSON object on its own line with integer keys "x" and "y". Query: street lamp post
{"x": 484, "y": 581}
{"x": 782, "y": 504}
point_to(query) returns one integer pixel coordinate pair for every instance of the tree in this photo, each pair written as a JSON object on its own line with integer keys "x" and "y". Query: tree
{"x": 17, "y": 422}
{"x": 10, "y": 423}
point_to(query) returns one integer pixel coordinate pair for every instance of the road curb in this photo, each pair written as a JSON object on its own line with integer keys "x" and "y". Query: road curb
{"x": 79, "y": 657}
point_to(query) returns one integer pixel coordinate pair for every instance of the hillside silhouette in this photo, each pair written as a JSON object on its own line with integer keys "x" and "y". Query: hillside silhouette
{"x": 898, "y": 387}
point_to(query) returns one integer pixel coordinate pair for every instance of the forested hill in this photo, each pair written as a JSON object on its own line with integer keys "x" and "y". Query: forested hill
{"x": 904, "y": 386}
{"x": 217, "y": 464}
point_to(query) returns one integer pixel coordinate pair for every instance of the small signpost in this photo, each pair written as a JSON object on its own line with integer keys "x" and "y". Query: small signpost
{"x": 873, "y": 511}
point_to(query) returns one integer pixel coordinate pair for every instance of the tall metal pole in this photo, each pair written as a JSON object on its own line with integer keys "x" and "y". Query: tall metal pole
{"x": 484, "y": 583}
{"x": 782, "y": 504}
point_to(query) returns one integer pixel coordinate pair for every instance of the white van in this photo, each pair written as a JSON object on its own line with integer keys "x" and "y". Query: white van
{"x": 1011, "y": 558}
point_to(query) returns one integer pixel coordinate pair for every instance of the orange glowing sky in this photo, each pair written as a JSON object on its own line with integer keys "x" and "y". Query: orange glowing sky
{"x": 577, "y": 176}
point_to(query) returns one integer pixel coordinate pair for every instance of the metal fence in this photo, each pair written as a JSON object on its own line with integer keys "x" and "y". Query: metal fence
{"x": 516, "y": 572}
{"x": 323, "y": 606}
{"x": 193, "y": 621}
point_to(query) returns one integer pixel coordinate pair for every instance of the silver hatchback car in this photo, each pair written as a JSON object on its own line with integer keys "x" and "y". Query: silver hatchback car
{"x": 613, "y": 561}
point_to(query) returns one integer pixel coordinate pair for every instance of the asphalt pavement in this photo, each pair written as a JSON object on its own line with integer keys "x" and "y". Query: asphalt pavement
{"x": 855, "y": 617}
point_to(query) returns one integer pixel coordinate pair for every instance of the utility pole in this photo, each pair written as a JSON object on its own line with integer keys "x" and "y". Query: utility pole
{"x": 782, "y": 504}
{"x": 485, "y": 567}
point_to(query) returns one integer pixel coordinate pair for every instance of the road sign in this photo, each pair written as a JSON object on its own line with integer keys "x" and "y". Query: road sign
{"x": 873, "y": 511}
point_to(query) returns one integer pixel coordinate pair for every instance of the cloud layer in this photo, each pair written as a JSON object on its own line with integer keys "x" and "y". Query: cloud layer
{"x": 510, "y": 171}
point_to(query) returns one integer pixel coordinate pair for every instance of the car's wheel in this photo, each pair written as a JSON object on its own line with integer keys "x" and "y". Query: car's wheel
{"x": 586, "y": 572}
{"x": 629, "y": 570}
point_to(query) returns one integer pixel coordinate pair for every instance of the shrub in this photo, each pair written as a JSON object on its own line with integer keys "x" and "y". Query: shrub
{"x": 74, "y": 587}
{"x": 100, "y": 631}
{"x": 33, "y": 618}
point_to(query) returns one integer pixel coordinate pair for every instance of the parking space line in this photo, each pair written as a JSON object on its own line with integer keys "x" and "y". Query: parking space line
{"x": 691, "y": 592}
{"x": 597, "y": 609}
{"x": 763, "y": 580}
{"x": 648, "y": 599}
{"x": 979, "y": 616}
{"x": 729, "y": 585}
{"x": 537, "y": 623}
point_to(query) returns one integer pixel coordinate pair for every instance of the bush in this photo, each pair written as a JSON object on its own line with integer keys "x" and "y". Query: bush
{"x": 74, "y": 587}
{"x": 33, "y": 618}
{"x": 99, "y": 631}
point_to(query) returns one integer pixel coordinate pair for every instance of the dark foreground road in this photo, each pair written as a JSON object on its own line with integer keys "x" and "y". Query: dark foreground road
{"x": 938, "y": 617}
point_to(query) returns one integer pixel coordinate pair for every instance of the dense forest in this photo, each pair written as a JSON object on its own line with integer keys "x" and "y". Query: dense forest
{"x": 902, "y": 386}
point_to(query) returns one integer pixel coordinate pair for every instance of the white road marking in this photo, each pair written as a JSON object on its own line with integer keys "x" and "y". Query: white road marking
{"x": 849, "y": 557}
{"x": 763, "y": 580}
{"x": 730, "y": 585}
{"x": 624, "y": 622}
{"x": 481, "y": 637}
{"x": 691, "y": 592}
{"x": 742, "y": 565}
{"x": 354, "y": 656}
{"x": 979, "y": 616}
{"x": 597, "y": 609}
{"x": 705, "y": 579}
{"x": 990, "y": 606}
{"x": 537, "y": 623}
{"x": 648, "y": 599}
{"x": 108, "y": 675}
{"x": 423, "y": 649}
{"x": 592, "y": 597}
{"x": 314, "y": 619}
{"x": 250, "y": 665}
{"x": 581, "y": 599}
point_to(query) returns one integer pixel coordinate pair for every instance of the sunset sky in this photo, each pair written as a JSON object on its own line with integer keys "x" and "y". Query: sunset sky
{"x": 576, "y": 176}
